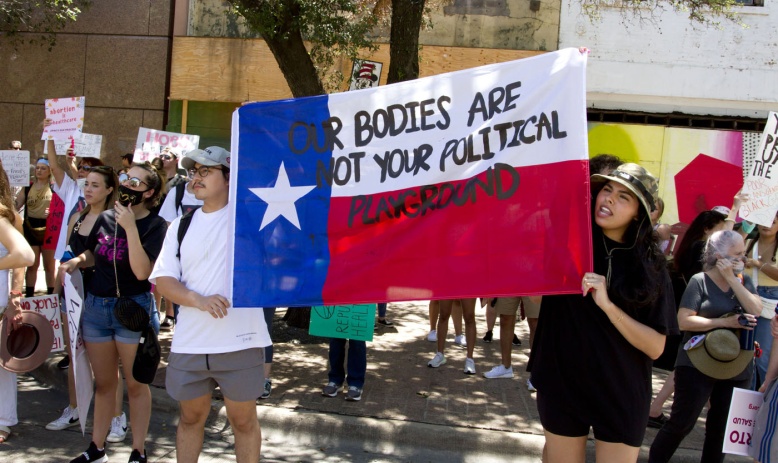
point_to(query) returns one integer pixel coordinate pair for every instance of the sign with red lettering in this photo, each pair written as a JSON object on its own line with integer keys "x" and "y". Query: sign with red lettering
{"x": 740, "y": 422}
{"x": 67, "y": 118}
{"x": 48, "y": 306}
{"x": 151, "y": 142}
{"x": 762, "y": 181}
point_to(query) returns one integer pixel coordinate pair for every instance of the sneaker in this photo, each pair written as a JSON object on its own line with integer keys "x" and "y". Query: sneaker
{"x": 488, "y": 336}
{"x": 657, "y": 422}
{"x": 331, "y": 389}
{"x": 530, "y": 387}
{"x": 438, "y": 360}
{"x": 354, "y": 394}
{"x": 68, "y": 419}
{"x": 384, "y": 322}
{"x": 64, "y": 364}
{"x": 516, "y": 340}
{"x": 499, "y": 372}
{"x": 91, "y": 455}
{"x": 168, "y": 324}
{"x": 118, "y": 429}
{"x": 267, "y": 389}
{"x": 459, "y": 341}
{"x": 136, "y": 457}
{"x": 469, "y": 366}
{"x": 432, "y": 336}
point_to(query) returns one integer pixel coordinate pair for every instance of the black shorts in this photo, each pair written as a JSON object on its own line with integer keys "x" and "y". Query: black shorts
{"x": 562, "y": 418}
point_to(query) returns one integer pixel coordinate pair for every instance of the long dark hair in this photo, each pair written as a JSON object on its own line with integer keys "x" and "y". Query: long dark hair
{"x": 751, "y": 244}
{"x": 111, "y": 181}
{"x": 706, "y": 220}
{"x": 639, "y": 287}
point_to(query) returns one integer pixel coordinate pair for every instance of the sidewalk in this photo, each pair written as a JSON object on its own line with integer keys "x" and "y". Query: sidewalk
{"x": 404, "y": 402}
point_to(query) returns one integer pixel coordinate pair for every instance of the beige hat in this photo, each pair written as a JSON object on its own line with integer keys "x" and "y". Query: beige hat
{"x": 719, "y": 355}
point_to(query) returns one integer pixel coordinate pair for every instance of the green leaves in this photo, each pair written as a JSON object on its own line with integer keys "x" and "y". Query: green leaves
{"x": 37, "y": 21}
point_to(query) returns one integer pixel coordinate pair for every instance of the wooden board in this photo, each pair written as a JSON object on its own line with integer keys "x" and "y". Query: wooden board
{"x": 237, "y": 70}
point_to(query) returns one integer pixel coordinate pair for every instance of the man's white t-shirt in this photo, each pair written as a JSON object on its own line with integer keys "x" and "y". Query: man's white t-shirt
{"x": 70, "y": 194}
{"x": 203, "y": 268}
{"x": 169, "y": 212}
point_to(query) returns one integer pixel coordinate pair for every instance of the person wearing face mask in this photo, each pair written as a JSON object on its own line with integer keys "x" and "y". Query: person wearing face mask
{"x": 705, "y": 372}
{"x": 122, "y": 246}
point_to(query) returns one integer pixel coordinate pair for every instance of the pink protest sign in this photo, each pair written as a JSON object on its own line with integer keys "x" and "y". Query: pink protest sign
{"x": 67, "y": 118}
{"x": 151, "y": 142}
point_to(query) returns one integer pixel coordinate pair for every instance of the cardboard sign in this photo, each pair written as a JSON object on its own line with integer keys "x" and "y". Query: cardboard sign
{"x": 151, "y": 142}
{"x": 48, "y": 306}
{"x": 82, "y": 370}
{"x": 762, "y": 181}
{"x": 343, "y": 321}
{"x": 740, "y": 421}
{"x": 67, "y": 118}
{"x": 17, "y": 166}
{"x": 87, "y": 145}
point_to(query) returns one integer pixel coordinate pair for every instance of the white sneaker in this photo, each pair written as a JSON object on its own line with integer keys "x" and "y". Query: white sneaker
{"x": 68, "y": 419}
{"x": 460, "y": 341}
{"x": 530, "y": 387}
{"x": 499, "y": 372}
{"x": 118, "y": 429}
{"x": 432, "y": 336}
{"x": 437, "y": 361}
{"x": 469, "y": 366}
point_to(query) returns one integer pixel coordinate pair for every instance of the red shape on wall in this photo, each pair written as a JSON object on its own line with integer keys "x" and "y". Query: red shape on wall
{"x": 704, "y": 183}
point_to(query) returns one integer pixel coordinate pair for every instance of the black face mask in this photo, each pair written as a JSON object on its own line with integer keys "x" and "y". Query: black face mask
{"x": 128, "y": 197}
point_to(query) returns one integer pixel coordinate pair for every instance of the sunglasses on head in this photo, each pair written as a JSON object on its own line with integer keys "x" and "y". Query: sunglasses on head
{"x": 134, "y": 182}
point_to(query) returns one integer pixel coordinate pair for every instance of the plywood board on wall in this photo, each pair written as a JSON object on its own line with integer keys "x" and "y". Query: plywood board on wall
{"x": 236, "y": 70}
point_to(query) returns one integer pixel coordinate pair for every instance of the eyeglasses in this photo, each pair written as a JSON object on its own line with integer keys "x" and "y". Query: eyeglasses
{"x": 202, "y": 171}
{"x": 134, "y": 182}
{"x": 166, "y": 157}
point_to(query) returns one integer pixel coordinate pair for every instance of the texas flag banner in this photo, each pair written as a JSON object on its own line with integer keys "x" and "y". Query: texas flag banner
{"x": 468, "y": 184}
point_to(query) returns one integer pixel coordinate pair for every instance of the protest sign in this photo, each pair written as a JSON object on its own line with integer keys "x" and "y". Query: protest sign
{"x": 87, "y": 145}
{"x": 82, "y": 369}
{"x": 740, "y": 421}
{"x": 17, "y": 166}
{"x": 343, "y": 321}
{"x": 456, "y": 185}
{"x": 48, "y": 306}
{"x": 762, "y": 181}
{"x": 67, "y": 118}
{"x": 365, "y": 74}
{"x": 151, "y": 142}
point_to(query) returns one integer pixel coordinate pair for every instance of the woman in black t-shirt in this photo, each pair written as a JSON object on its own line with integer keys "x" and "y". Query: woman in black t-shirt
{"x": 122, "y": 247}
{"x": 591, "y": 359}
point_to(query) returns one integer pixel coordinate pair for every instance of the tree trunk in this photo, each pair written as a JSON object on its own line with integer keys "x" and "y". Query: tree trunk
{"x": 298, "y": 317}
{"x": 404, "y": 40}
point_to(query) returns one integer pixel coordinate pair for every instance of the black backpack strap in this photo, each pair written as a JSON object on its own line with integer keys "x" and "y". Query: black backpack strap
{"x": 180, "y": 195}
{"x": 183, "y": 226}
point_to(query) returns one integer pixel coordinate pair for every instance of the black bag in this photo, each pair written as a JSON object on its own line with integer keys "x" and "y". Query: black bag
{"x": 130, "y": 314}
{"x": 147, "y": 358}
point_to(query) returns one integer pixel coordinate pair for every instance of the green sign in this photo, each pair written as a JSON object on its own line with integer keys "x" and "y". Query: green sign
{"x": 343, "y": 321}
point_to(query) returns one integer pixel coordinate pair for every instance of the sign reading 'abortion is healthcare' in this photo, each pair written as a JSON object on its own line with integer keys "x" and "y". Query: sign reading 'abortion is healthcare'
{"x": 465, "y": 184}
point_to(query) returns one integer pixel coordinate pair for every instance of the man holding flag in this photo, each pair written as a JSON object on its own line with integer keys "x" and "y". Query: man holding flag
{"x": 214, "y": 343}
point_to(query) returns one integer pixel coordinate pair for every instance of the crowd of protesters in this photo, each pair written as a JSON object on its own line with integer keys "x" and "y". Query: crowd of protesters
{"x": 135, "y": 235}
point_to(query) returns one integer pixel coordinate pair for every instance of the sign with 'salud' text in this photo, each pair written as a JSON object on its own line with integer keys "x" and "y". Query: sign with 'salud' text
{"x": 17, "y": 166}
{"x": 762, "y": 181}
{"x": 67, "y": 118}
{"x": 740, "y": 421}
{"x": 450, "y": 186}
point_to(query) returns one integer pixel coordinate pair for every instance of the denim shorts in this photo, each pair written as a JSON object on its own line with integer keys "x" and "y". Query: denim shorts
{"x": 99, "y": 324}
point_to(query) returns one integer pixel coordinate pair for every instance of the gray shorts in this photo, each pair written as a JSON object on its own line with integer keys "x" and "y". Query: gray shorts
{"x": 240, "y": 375}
